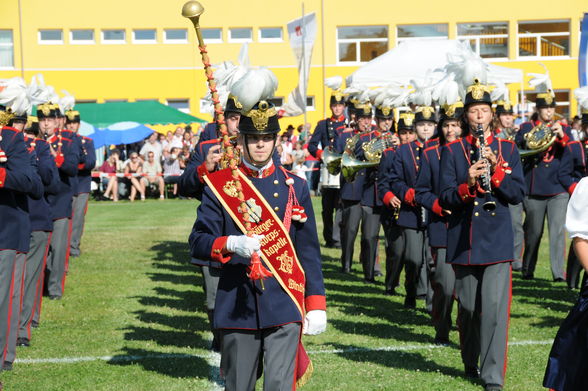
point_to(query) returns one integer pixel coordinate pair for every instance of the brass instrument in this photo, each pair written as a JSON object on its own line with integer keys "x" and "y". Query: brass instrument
{"x": 373, "y": 150}
{"x": 489, "y": 204}
{"x": 539, "y": 139}
{"x": 192, "y": 10}
{"x": 507, "y": 134}
{"x": 332, "y": 160}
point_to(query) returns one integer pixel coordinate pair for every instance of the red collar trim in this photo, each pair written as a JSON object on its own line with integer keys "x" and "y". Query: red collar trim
{"x": 52, "y": 139}
{"x": 418, "y": 143}
{"x": 337, "y": 119}
{"x": 252, "y": 173}
{"x": 474, "y": 141}
{"x": 11, "y": 128}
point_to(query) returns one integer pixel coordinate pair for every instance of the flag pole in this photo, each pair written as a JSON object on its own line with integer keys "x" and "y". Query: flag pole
{"x": 304, "y": 76}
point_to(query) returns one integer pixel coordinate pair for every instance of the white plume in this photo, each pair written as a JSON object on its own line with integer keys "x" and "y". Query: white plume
{"x": 541, "y": 81}
{"x": 255, "y": 85}
{"x": 67, "y": 102}
{"x": 392, "y": 95}
{"x": 334, "y": 82}
{"x": 423, "y": 90}
{"x": 467, "y": 67}
{"x": 359, "y": 92}
{"x": 581, "y": 95}
{"x": 14, "y": 95}
{"x": 37, "y": 91}
{"x": 446, "y": 91}
{"x": 500, "y": 92}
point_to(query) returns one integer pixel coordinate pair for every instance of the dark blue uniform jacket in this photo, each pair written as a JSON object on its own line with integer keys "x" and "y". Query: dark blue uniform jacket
{"x": 68, "y": 169}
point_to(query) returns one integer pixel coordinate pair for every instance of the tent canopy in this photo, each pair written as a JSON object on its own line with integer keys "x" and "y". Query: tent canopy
{"x": 412, "y": 59}
{"x": 102, "y": 115}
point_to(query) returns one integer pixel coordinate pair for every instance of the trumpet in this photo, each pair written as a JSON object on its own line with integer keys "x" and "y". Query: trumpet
{"x": 192, "y": 10}
{"x": 489, "y": 204}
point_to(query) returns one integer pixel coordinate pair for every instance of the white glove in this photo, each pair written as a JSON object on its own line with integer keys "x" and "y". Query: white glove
{"x": 315, "y": 322}
{"x": 244, "y": 245}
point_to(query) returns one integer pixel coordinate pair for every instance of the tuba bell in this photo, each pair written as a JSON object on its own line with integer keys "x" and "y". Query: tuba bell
{"x": 373, "y": 150}
{"x": 539, "y": 139}
{"x": 332, "y": 160}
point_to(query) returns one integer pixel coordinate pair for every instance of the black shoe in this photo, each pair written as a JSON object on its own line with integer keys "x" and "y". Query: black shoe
{"x": 390, "y": 292}
{"x": 7, "y": 366}
{"x": 23, "y": 342}
{"x": 528, "y": 277}
{"x": 422, "y": 297}
{"x": 378, "y": 273}
{"x": 441, "y": 341}
{"x": 493, "y": 387}
{"x": 34, "y": 324}
{"x": 472, "y": 372}
{"x": 559, "y": 280}
{"x": 410, "y": 303}
{"x": 337, "y": 245}
{"x": 54, "y": 297}
{"x": 369, "y": 280}
{"x": 345, "y": 270}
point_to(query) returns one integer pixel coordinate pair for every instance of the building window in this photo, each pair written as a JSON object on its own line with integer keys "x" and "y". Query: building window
{"x": 270, "y": 34}
{"x": 113, "y": 36}
{"x": 489, "y": 40}
{"x": 357, "y": 44}
{"x": 81, "y": 37}
{"x": 212, "y": 35}
{"x": 115, "y": 100}
{"x": 310, "y": 103}
{"x": 144, "y": 36}
{"x": 562, "y": 103}
{"x": 51, "y": 37}
{"x": 175, "y": 36}
{"x": 421, "y": 31}
{"x": 146, "y": 100}
{"x": 182, "y": 105}
{"x": 78, "y": 101}
{"x": 240, "y": 35}
{"x": 545, "y": 38}
{"x": 6, "y": 49}
{"x": 277, "y": 101}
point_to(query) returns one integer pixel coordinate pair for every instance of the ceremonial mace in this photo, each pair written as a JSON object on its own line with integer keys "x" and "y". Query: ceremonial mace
{"x": 230, "y": 159}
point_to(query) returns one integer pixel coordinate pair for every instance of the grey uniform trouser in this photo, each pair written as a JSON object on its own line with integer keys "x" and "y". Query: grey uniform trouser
{"x": 516, "y": 217}
{"x": 484, "y": 296}
{"x": 370, "y": 227}
{"x": 394, "y": 251}
{"x": 351, "y": 216}
{"x": 443, "y": 283}
{"x": 7, "y": 265}
{"x": 413, "y": 257}
{"x": 330, "y": 201}
{"x": 33, "y": 284}
{"x": 241, "y": 351}
{"x": 57, "y": 258}
{"x": 17, "y": 291}
{"x": 536, "y": 208}
{"x": 79, "y": 207}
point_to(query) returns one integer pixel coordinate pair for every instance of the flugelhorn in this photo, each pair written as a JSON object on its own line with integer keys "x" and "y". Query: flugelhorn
{"x": 192, "y": 10}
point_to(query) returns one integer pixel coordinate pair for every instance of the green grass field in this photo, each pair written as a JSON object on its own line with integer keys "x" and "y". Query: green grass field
{"x": 132, "y": 319}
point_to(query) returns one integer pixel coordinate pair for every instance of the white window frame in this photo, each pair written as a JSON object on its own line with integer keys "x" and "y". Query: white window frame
{"x": 399, "y": 40}
{"x": 187, "y": 100}
{"x": 73, "y": 41}
{"x": 477, "y": 38}
{"x": 358, "y": 42}
{"x": 313, "y": 106}
{"x": 171, "y": 41}
{"x": 279, "y": 97}
{"x": 50, "y": 42}
{"x": 240, "y": 40}
{"x": 270, "y": 40}
{"x": 538, "y": 37}
{"x": 11, "y": 45}
{"x": 211, "y": 40}
{"x": 136, "y": 41}
{"x": 110, "y": 41}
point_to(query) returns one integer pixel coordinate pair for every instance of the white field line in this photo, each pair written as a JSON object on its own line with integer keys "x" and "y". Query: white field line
{"x": 214, "y": 359}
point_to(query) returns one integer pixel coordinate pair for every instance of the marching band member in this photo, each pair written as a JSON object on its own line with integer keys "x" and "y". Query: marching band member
{"x": 474, "y": 178}
{"x": 66, "y": 153}
{"x": 85, "y": 167}
{"x": 390, "y": 212}
{"x": 506, "y": 129}
{"x": 260, "y": 210}
{"x": 427, "y": 194}
{"x": 546, "y": 175}
{"x": 352, "y": 191}
{"x": 326, "y": 133}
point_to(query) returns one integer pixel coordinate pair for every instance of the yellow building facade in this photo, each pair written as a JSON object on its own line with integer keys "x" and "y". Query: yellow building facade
{"x": 140, "y": 50}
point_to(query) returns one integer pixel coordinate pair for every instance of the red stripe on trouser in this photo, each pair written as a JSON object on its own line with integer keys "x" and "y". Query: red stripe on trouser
{"x": 67, "y": 248}
{"x": 9, "y": 309}
{"x": 507, "y": 321}
{"x": 40, "y": 286}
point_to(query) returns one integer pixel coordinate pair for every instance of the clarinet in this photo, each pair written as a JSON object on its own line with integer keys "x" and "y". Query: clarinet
{"x": 489, "y": 204}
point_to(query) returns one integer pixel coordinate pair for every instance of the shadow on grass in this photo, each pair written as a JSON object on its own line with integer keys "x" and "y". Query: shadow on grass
{"x": 158, "y": 324}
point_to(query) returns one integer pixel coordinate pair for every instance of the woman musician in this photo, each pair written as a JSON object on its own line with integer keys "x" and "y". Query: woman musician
{"x": 479, "y": 238}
